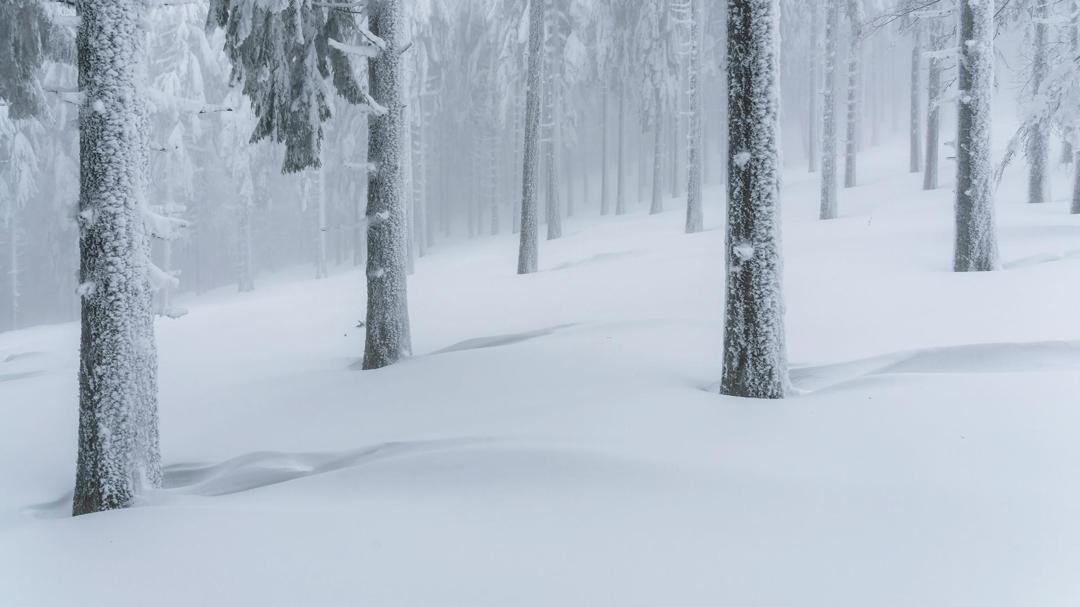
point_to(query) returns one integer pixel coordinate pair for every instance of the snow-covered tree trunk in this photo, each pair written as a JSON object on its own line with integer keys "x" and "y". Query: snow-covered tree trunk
{"x": 828, "y": 112}
{"x": 246, "y": 258}
{"x": 1073, "y": 35}
{"x": 620, "y": 181}
{"x": 812, "y": 111}
{"x": 529, "y": 249}
{"x": 976, "y": 239}
{"x": 657, "y": 205}
{"x": 676, "y": 170}
{"x": 933, "y": 107}
{"x": 915, "y": 124}
{"x": 321, "y": 229}
{"x": 13, "y": 270}
{"x": 552, "y": 207}
{"x": 695, "y": 218}
{"x": 1038, "y": 140}
{"x": 854, "y": 61}
{"x": 755, "y": 362}
{"x": 119, "y": 456}
{"x": 387, "y": 305}
{"x": 605, "y": 162}
{"x": 419, "y": 179}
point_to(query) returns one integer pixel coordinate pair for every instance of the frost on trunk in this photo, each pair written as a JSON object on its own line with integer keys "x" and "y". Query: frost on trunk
{"x": 1037, "y": 143}
{"x": 855, "y": 18}
{"x": 605, "y": 197}
{"x": 552, "y": 206}
{"x": 620, "y": 181}
{"x": 755, "y": 362}
{"x": 387, "y": 304}
{"x": 828, "y": 143}
{"x": 814, "y": 59}
{"x": 118, "y": 433}
{"x": 933, "y": 105}
{"x": 657, "y": 205}
{"x": 976, "y": 241}
{"x": 915, "y": 125}
{"x": 694, "y": 216}
{"x": 529, "y": 250}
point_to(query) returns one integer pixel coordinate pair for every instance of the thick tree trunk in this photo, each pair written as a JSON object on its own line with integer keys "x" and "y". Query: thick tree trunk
{"x": 755, "y": 362}
{"x": 387, "y": 324}
{"x": 828, "y": 145}
{"x": 915, "y": 124}
{"x": 529, "y": 249}
{"x": 976, "y": 239}
{"x": 119, "y": 455}
{"x": 695, "y": 218}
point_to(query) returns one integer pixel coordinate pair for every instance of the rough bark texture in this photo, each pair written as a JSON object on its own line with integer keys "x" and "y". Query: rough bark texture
{"x": 754, "y": 356}
{"x": 1038, "y": 140}
{"x": 695, "y": 218}
{"x": 915, "y": 124}
{"x": 387, "y": 306}
{"x": 933, "y": 107}
{"x": 828, "y": 142}
{"x": 812, "y": 111}
{"x": 529, "y": 251}
{"x": 976, "y": 241}
{"x": 855, "y": 18}
{"x": 118, "y": 432}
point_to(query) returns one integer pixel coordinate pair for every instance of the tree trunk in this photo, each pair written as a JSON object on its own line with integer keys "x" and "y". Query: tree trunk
{"x": 529, "y": 250}
{"x": 245, "y": 267}
{"x": 620, "y": 183}
{"x": 915, "y": 126}
{"x": 828, "y": 146}
{"x": 976, "y": 241}
{"x": 695, "y": 220}
{"x": 13, "y": 270}
{"x": 812, "y": 111}
{"x": 119, "y": 455}
{"x": 321, "y": 229}
{"x": 755, "y": 362}
{"x": 657, "y": 205}
{"x": 552, "y": 208}
{"x": 1037, "y": 142}
{"x": 605, "y": 163}
{"x": 933, "y": 108}
{"x": 387, "y": 309}
{"x": 853, "y": 109}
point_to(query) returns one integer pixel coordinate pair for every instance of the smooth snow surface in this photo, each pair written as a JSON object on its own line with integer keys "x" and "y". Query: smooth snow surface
{"x": 553, "y": 443}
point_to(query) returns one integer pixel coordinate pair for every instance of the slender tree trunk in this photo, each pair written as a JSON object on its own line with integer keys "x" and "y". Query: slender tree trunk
{"x": 915, "y": 125}
{"x": 387, "y": 311}
{"x": 620, "y": 184}
{"x": 605, "y": 163}
{"x": 695, "y": 219}
{"x": 119, "y": 456}
{"x": 529, "y": 250}
{"x": 246, "y": 271}
{"x": 13, "y": 270}
{"x": 657, "y": 205}
{"x": 321, "y": 270}
{"x": 828, "y": 146}
{"x": 812, "y": 98}
{"x": 933, "y": 109}
{"x": 976, "y": 240}
{"x": 755, "y": 362}
{"x": 676, "y": 171}
{"x": 552, "y": 208}
{"x": 1037, "y": 143}
{"x": 568, "y": 177}
{"x": 853, "y": 106}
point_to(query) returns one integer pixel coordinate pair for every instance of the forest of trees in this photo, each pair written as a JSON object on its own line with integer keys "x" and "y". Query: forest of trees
{"x": 153, "y": 149}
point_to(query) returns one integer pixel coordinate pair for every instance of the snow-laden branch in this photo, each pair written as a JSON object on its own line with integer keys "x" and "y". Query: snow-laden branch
{"x": 369, "y": 167}
{"x": 365, "y": 50}
{"x": 373, "y": 106}
{"x": 160, "y": 279}
{"x": 162, "y": 226}
{"x": 163, "y": 101}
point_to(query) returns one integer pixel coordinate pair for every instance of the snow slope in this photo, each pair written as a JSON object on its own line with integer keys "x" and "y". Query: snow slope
{"x": 554, "y": 442}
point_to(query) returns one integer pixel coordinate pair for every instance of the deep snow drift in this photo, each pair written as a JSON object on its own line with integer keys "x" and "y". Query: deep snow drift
{"x": 554, "y": 442}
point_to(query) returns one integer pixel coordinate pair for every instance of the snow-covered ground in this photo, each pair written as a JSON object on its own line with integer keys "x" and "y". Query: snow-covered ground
{"x": 554, "y": 441}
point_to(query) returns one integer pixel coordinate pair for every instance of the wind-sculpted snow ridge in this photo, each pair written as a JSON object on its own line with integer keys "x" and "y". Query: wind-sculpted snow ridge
{"x": 506, "y": 339}
{"x": 968, "y": 358}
